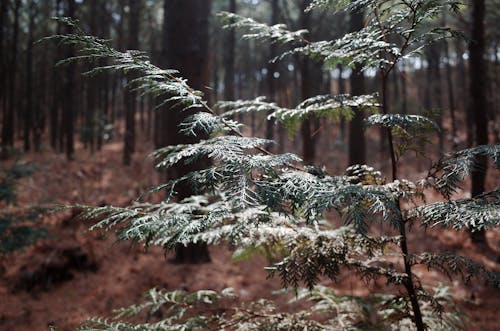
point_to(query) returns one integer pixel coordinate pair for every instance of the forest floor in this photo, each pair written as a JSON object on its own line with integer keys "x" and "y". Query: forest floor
{"x": 73, "y": 274}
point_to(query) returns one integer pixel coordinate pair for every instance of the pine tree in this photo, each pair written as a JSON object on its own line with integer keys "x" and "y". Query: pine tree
{"x": 259, "y": 201}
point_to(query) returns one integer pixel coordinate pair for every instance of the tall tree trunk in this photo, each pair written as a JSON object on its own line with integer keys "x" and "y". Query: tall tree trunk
{"x": 55, "y": 106}
{"x": 68, "y": 115}
{"x": 478, "y": 103}
{"x": 229, "y": 57}
{"x": 311, "y": 82}
{"x": 435, "y": 71}
{"x": 404, "y": 90}
{"x": 28, "y": 114}
{"x": 186, "y": 27}
{"x": 8, "y": 118}
{"x": 271, "y": 80}
{"x": 449, "y": 83}
{"x": 341, "y": 90}
{"x": 90, "y": 111}
{"x": 357, "y": 143}
{"x": 3, "y": 16}
{"x": 130, "y": 96}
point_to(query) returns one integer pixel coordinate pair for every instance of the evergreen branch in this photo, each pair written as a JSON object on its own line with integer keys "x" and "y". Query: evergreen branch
{"x": 451, "y": 264}
{"x": 276, "y": 34}
{"x": 259, "y": 104}
{"x": 475, "y": 213}
{"x": 448, "y": 173}
{"x": 151, "y": 79}
{"x": 407, "y": 124}
{"x": 331, "y": 107}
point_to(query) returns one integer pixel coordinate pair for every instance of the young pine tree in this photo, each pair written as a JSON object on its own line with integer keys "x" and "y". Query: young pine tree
{"x": 257, "y": 200}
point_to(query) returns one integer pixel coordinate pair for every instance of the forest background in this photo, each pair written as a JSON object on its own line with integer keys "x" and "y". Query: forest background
{"x": 83, "y": 140}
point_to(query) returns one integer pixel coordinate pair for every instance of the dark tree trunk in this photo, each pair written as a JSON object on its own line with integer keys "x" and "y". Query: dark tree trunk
{"x": 3, "y": 16}
{"x": 435, "y": 71}
{"x": 404, "y": 90}
{"x": 311, "y": 84}
{"x": 357, "y": 143}
{"x": 68, "y": 116}
{"x": 271, "y": 68}
{"x": 90, "y": 111}
{"x": 28, "y": 114}
{"x": 229, "y": 57}
{"x": 478, "y": 103}
{"x": 341, "y": 90}
{"x": 186, "y": 27}
{"x": 130, "y": 96}
{"x": 8, "y": 118}
{"x": 450, "y": 87}
{"x": 54, "y": 109}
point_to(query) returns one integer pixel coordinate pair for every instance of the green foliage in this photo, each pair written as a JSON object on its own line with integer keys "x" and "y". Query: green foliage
{"x": 450, "y": 171}
{"x": 20, "y": 229}
{"x": 8, "y": 180}
{"x": 261, "y": 202}
{"x": 276, "y": 33}
{"x": 333, "y": 107}
{"x": 394, "y": 30}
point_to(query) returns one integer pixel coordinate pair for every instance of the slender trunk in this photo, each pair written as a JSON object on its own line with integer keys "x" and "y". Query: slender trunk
{"x": 229, "y": 58}
{"x": 308, "y": 85}
{"x": 341, "y": 90}
{"x": 130, "y": 96}
{"x": 186, "y": 25}
{"x": 404, "y": 91}
{"x": 357, "y": 143}
{"x": 3, "y": 15}
{"x": 54, "y": 109}
{"x": 69, "y": 102}
{"x": 408, "y": 281}
{"x": 449, "y": 83}
{"x": 28, "y": 114}
{"x": 8, "y": 119}
{"x": 478, "y": 105}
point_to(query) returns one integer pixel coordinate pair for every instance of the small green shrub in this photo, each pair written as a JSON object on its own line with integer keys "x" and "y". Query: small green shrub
{"x": 262, "y": 202}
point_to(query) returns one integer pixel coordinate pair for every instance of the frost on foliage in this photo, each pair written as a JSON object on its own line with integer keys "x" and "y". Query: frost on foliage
{"x": 450, "y": 171}
{"x": 333, "y": 107}
{"x": 261, "y": 202}
{"x": 476, "y": 213}
{"x": 261, "y": 31}
{"x": 204, "y": 123}
{"x": 405, "y": 123}
{"x": 152, "y": 80}
{"x": 370, "y": 47}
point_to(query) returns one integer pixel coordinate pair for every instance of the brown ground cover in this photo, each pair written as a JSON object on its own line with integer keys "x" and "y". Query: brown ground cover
{"x": 73, "y": 274}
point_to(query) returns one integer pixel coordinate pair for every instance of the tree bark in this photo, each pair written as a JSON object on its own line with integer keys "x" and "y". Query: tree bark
{"x": 229, "y": 57}
{"x": 357, "y": 143}
{"x": 478, "y": 103}
{"x": 130, "y": 96}
{"x": 28, "y": 114}
{"x": 185, "y": 48}
{"x": 68, "y": 116}
{"x": 8, "y": 114}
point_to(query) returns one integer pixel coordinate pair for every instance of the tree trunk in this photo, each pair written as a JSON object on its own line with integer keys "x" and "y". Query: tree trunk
{"x": 478, "y": 103}
{"x": 8, "y": 118}
{"x": 130, "y": 96}
{"x": 28, "y": 114}
{"x": 68, "y": 116}
{"x": 186, "y": 27}
{"x": 357, "y": 143}
{"x": 311, "y": 83}
{"x": 271, "y": 80}
{"x": 341, "y": 90}
{"x": 229, "y": 58}
{"x": 3, "y": 16}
